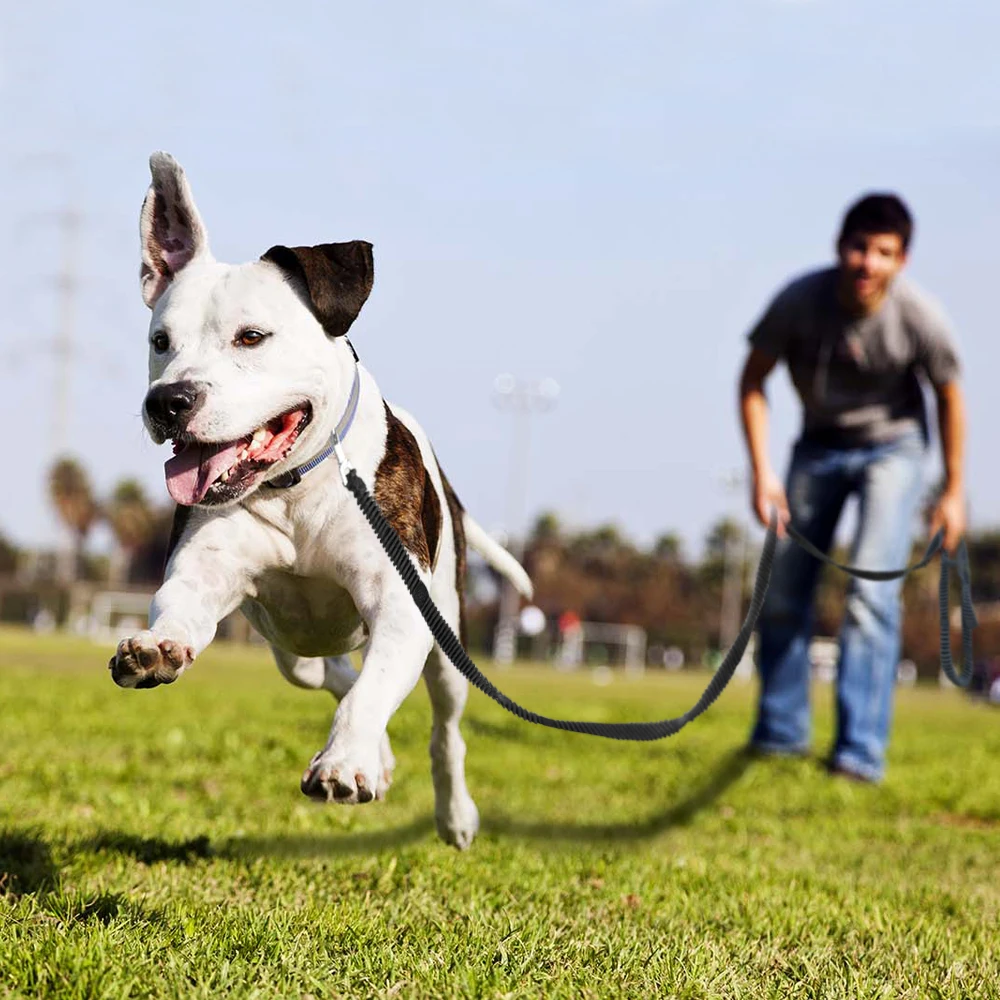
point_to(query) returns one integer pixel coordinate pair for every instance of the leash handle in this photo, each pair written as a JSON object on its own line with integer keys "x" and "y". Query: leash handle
{"x": 962, "y": 677}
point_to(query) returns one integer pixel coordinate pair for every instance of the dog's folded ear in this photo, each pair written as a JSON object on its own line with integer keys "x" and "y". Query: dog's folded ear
{"x": 171, "y": 230}
{"x": 335, "y": 278}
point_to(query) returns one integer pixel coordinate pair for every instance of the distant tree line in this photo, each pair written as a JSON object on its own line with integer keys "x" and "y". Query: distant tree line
{"x": 598, "y": 572}
{"x": 603, "y": 576}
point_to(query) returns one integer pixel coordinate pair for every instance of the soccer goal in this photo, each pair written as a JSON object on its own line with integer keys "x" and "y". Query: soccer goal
{"x": 603, "y": 644}
{"x": 114, "y": 610}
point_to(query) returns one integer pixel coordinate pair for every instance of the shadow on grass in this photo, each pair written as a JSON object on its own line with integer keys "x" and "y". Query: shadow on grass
{"x": 310, "y": 845}
{"x": 26, "y": 864}
{"x": 730, "y": 769}
{"x": 102, "y": 908}
{"x": 149, "y": 850}
{"x": 27, "y": 869}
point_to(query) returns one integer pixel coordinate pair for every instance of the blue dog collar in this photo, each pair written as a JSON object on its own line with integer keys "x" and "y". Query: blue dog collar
{"x": 294, "y": 476}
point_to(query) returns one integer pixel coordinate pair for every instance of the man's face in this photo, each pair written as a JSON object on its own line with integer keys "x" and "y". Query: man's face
{"x": 868, "y": 263}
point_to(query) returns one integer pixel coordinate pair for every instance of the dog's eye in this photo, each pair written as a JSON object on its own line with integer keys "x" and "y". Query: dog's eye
{"x": 249, "y": 338}
{"x": 160, "y": 342}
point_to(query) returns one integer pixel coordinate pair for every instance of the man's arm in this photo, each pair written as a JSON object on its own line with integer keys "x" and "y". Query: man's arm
{"x": 949, "y": 512}
{"x": 767, "y": 489}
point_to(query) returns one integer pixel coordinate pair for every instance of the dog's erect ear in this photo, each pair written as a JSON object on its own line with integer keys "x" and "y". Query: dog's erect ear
{"x": 335, "y": 277}
{"x": 171, "y": 230}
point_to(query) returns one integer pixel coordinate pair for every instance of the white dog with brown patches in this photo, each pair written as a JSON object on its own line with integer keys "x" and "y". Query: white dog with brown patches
{"x": 250, "y": 372}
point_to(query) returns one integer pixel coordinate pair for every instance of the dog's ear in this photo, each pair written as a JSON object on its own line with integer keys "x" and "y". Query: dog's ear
{"x": 335, "y": 278}
{"x": 171, "y": 230}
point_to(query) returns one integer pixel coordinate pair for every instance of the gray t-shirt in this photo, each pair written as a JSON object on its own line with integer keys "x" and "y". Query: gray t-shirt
{"x": 858, "y": 378}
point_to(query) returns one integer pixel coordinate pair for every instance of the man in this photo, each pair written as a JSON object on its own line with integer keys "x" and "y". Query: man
{"x": 856, "y": 338}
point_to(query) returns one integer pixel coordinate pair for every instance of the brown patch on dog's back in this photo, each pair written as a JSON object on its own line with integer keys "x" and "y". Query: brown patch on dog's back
{"x": 405, "y": 493}
{"x": 456, "y": 510}
{"x": 430, "y": 517}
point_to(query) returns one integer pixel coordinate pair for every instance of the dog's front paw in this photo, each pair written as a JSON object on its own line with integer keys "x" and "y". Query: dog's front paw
{"x": 459, "y": 822}
{"x": 349, "y": 777}
{"x": 144, "y": 661}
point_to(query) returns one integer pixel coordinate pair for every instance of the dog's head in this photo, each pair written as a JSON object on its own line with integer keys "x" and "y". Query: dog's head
{"x": 248, "y": 369}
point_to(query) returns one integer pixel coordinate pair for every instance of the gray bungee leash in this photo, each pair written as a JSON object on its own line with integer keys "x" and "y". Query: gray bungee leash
{"x": 636, "y": 731}
{"x": 645, "y": 731}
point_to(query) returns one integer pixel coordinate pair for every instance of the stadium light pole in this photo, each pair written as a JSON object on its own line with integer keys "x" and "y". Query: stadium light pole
{"x": 522, "y": 398}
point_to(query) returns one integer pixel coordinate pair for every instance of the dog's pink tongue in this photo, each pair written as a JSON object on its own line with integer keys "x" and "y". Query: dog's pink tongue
{"x": 192, "y": 470}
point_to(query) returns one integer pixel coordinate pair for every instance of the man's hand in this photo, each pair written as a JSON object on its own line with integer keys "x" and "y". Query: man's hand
{"x": 767, "y": 489}
{"x": 768, "y": 492}
{"x": 949, "y": 513}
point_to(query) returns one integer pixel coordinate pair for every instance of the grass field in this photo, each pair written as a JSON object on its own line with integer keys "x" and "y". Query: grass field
{"x": 155, "y": 844}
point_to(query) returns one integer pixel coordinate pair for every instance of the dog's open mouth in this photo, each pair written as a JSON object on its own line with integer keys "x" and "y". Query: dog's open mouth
{"x": 217, "y": 472}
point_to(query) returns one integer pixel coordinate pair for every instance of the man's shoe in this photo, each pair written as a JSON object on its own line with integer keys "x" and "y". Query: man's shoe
{"x": 839, "y": 771}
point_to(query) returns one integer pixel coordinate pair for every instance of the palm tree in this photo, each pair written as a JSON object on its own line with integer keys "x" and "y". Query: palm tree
{"x": 8, "y": 555}
{"x": 131, "y": 520}
{"x": 69, "y": 489}
{"x": 668, "y": 547}
{"x": 547, "y": 529}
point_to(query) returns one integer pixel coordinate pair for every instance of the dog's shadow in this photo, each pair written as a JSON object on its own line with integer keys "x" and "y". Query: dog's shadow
{"x": 149, "y": 850}
{"x": 728, "y": 771}
{"x": 26, "y": 864}
{"x": 327, "y": 845}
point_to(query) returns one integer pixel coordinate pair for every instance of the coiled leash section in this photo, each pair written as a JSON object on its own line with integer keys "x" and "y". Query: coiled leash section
{"x": 963, "y": 677}
{"x": 647, "y": 731}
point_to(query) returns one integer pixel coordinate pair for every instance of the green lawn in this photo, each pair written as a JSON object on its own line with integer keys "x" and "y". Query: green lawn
{"x": 155, "y": 844}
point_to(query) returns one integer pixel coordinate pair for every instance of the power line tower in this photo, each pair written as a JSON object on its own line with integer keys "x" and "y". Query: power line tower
{"x": 67, "y": 286}
{"x": 68, "y": 222}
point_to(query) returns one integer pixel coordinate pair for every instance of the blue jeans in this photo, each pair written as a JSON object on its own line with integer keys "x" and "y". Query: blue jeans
{"x": 888, "y": 481}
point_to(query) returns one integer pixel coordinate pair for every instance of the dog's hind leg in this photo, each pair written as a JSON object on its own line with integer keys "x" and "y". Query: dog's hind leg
{"x": 336, "y": 675}
{"x": 454, "y": 811}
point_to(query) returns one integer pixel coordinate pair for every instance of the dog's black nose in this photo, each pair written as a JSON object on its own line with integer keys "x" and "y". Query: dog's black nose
{"x": 170, "y": 406}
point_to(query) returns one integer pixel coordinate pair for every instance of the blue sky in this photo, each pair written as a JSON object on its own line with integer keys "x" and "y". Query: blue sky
{"x": 603, "y": 193}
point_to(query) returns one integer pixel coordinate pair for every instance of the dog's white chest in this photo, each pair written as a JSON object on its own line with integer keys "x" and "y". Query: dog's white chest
{"x": 307, "y": 616}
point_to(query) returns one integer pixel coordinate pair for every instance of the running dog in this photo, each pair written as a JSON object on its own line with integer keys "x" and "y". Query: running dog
{"x": 250, "y": 372}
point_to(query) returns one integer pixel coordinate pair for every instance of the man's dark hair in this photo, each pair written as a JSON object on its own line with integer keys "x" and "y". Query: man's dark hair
{"x": 878, "y": 213}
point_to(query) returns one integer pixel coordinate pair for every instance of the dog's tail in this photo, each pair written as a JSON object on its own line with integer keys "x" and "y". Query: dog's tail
{"x": 478, "y": 539}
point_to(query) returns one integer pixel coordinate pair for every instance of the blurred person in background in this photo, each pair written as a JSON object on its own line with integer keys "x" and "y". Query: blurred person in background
{"x": 857, "y": 339}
